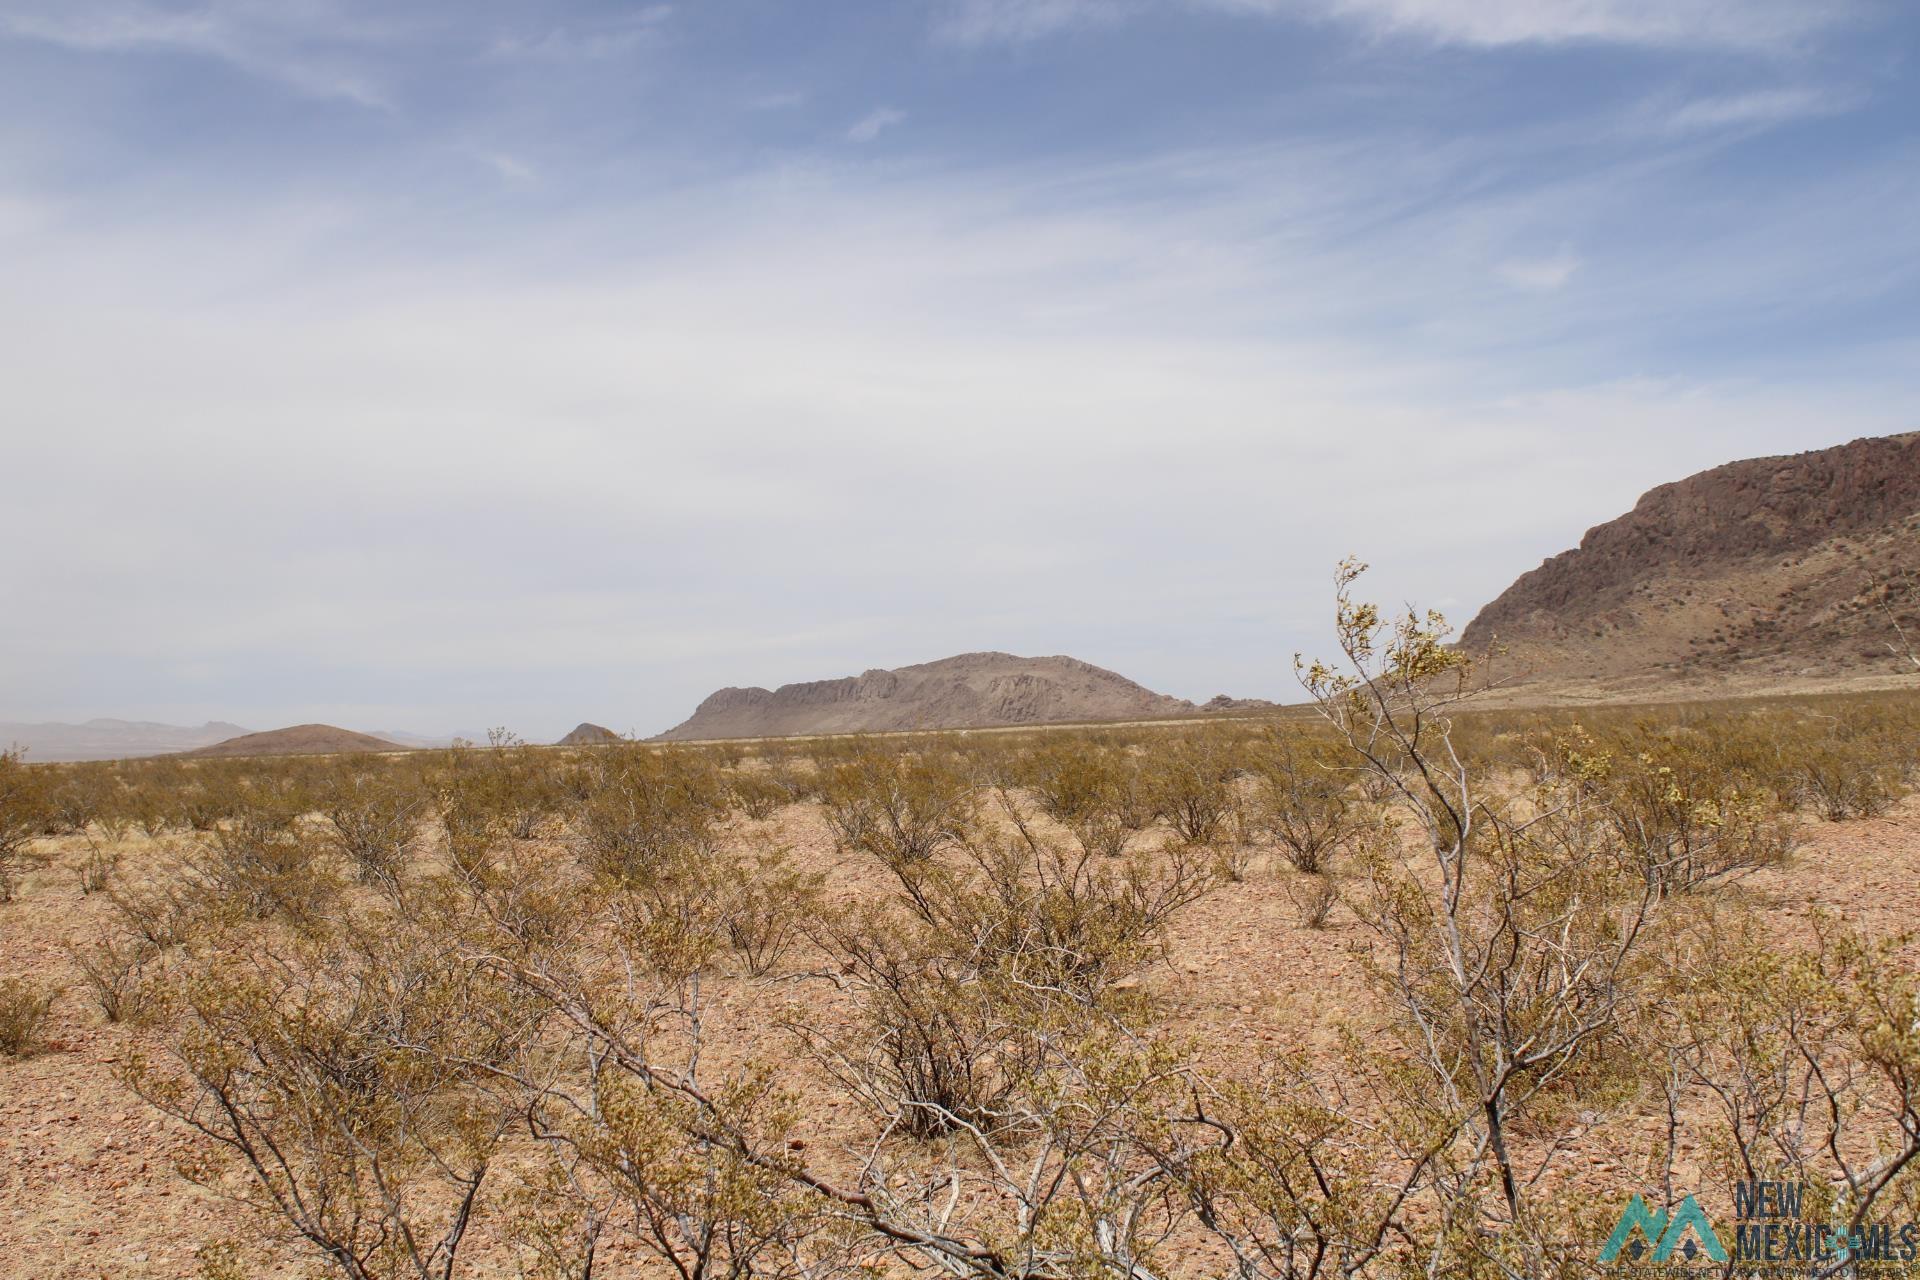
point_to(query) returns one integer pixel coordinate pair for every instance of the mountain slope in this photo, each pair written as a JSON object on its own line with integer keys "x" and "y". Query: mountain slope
{"x": 968, "y": 691}
{"x": 1771, "y": 567}
{"x": 298, "y": 740}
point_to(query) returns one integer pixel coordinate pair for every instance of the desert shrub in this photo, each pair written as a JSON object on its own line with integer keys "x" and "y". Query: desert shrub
{"x": 350, "y": 1078}
{"x": 513, "y": 781}
{"x": 796, "y": 773}
{"x": 1070, "y": 776}
{"x": 500, "y": 792}
{"x": 938, "y": 1044}
{"x": 151, "y": 808}
{"x": 1682, "y": 813}
{"x": 167, "y": 910}
{"x": 201, "y": 805}
{"x": 97, "y": 868}
{"x": 71, "y": 800}
{"x": 649, "y": 814}
{"x": 1305, "y": 799}
{"x": 1313, "y": 896}
{"x": 1848, "y": 780}
{"x": 1809, "y": 1054}
{"x": 1190, "y": 783}
{"x": 1511, "y": 932}
{"x": 23, "y": 1013}
{"x": 671, "y": 917}
{"x": 1038, "y": 914}
{"x": 263, "y": 868}
{"x": 771, "y": 904}
{"x": 1846, "y": 773}
{"x": 22, "y": 816}
{"x": 474, "y": 832}
{"x": 900, "y": 809}
{"x": 653, "y": 1171}
{"x": 998, "y": 943}
{"x": 757, "y": 793}
{"x": 375, "y": 818}
{"x": 115, "y": 970}
{"x": 1095, "y": 790}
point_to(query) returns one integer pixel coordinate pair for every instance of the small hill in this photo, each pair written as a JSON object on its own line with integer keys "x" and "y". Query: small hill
{"x": 588, "y": 735}
{"x": 972, "y": 690}
{"x": 299, "y": 740}
{"x": 1767, "y": 570}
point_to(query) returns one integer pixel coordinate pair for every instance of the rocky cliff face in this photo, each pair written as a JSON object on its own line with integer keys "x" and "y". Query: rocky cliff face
{"x": 1771, "y": 566}
{"x": 969, "y": 691}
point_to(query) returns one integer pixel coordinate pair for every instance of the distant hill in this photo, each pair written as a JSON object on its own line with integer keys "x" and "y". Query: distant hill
{"x": 299, "y": 740}
{"x": 111, "y": 739}
{"x": 1762, "y": 570}
{"x": 971, "y": 690}
{"x": 587, "y": 735}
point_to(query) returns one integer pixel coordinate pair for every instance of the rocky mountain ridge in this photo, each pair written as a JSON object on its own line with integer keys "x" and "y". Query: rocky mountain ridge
{"x": 969, "y": 690}
{"x": 1769, "y": 567}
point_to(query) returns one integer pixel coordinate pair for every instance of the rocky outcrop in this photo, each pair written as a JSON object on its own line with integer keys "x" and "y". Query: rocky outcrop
{"x": 972, "y": 690}
{"x": 1774, "y": 564}
{"x": 1227, "y": 702}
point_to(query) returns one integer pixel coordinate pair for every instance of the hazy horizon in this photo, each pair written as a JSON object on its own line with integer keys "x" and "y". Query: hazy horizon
{"x": 424, "y": 366}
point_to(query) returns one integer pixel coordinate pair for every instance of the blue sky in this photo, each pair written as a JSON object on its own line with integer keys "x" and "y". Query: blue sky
{"x": 445, "y": 365}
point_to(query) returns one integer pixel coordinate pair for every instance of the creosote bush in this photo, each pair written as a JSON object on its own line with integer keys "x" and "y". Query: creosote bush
{"x": 23, "y": 813}
{"x": 901, "y": 808}
{"x": 23, "y": 1013}
{"x": 1306, "y": 800}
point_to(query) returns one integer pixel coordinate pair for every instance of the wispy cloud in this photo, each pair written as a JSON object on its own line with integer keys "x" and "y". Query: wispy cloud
{"x": 269, "y": 42}
{"x": 1760, "y": 108}
{"x": 511, "y": 168}
{"x": 607, "y": 38}
{"x": 1014, "y": 21}
{"x": 874, "y": 123}
{"x": 778, "y": 100}
{"x": 1734, "y": 24}
{"x": 1686, "y": 23}
{"x": 1540, "y": 275}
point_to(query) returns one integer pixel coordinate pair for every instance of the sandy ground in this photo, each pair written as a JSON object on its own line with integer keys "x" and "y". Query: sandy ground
{"x": 88, "y": 1189}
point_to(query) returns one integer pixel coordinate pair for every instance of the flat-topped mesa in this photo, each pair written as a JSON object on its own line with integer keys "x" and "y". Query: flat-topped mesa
{"x": 1768, "y": 566}
{"x": 969, "y": 690}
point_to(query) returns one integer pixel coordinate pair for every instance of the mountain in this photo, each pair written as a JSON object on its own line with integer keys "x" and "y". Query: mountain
{"x": 299, "y": 740}
{"x": 971, "y": 690}
{"x": 110, "y": 739}
{"x": 1765, "y": 570}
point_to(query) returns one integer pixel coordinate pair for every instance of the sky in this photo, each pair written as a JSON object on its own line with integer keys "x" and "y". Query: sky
{"x": 433, "y": 366}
